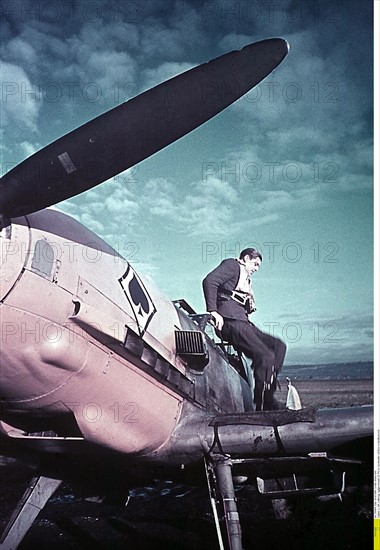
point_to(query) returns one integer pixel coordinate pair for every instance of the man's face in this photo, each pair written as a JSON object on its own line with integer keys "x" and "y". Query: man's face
{"x": 252, "y": 265}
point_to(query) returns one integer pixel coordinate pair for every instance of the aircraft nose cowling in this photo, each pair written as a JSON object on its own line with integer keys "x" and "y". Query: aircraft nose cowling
{"x": 14, "y": 246}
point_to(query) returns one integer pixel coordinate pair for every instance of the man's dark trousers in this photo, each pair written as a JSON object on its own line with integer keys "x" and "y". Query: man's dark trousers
{"x": 267, "y": 354}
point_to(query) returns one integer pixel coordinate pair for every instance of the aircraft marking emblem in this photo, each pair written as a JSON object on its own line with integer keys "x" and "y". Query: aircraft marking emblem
{"x": 139, "y": 299}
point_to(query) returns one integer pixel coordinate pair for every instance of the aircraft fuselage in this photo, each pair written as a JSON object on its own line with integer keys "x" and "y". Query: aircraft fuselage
{"x": 83, "y": 334}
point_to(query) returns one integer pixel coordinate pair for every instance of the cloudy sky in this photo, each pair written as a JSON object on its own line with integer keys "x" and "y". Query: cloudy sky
{"x": 288, "y": 168}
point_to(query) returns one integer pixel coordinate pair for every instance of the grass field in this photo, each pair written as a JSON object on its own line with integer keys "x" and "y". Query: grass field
{"x": 330, "y": 393}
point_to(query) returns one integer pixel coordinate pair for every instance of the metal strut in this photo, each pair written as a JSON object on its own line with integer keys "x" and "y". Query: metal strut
{"x": 221, "y": 490}
{"x": 33, "y": 500}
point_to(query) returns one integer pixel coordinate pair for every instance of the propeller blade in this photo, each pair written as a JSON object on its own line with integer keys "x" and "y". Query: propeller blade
{"x": 132, "y": 131}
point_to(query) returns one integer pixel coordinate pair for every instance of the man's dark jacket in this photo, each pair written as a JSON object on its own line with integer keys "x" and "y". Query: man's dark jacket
{"x": 225, "y": 277}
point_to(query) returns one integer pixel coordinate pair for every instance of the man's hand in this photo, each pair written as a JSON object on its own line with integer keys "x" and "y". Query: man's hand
{"x": 218, "y": 319}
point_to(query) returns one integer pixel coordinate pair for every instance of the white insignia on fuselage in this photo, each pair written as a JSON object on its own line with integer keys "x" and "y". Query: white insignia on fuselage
{"x": 138, "y": 298}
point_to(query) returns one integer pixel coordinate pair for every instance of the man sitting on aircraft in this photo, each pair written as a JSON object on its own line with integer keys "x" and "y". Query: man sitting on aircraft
{"x": 229, "y": 299}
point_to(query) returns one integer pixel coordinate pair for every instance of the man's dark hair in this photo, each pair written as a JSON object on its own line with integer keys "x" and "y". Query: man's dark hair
{"x": 251, "y": 252}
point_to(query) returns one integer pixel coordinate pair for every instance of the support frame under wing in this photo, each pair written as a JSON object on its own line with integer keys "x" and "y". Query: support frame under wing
{"x": 32, "y": 502}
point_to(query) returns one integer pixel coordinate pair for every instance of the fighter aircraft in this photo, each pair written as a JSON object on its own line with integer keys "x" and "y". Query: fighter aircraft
{"x": 102, "y": 377}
